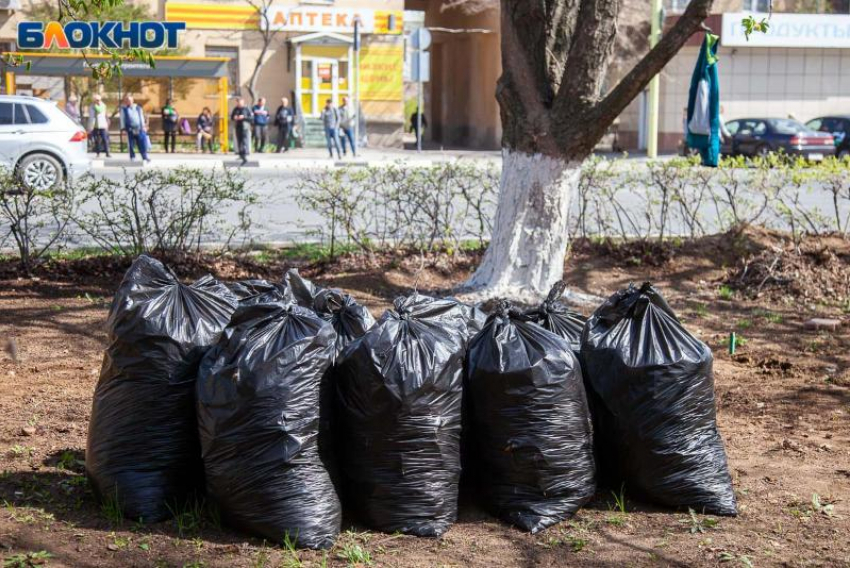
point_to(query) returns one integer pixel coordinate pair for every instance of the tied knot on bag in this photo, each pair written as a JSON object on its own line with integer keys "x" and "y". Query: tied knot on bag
{"x": 554, "y": 296}
{"x": 505, "y": 309}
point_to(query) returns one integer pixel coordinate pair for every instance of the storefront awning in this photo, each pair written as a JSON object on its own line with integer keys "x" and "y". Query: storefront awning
{"x": 61, "y": 64}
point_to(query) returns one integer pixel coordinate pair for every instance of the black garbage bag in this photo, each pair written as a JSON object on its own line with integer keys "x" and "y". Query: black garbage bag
{"x": 255, "y": 291}
{"x": 143, "y": 452}
{"x": 400, "y": 387}
{"x": 350, "y": 320}
{"x": 656, "y": 429}
{"x": 258, "y": 418}
{"x": 531, "y": 431}
{"x": 555, "y": 316}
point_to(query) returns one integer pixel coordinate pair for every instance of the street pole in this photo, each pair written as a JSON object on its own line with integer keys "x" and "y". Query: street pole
{"x": 357, "y": 82}
{"x": 652, "y": 127}
{"x": 419, "y": 103}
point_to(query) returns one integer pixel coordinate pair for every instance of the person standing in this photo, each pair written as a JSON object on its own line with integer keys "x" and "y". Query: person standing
{"x": 72, "y": 109}
{"x": 261, "y": 125}
{"x": 169, "y": 124}
{"x": 205, "y": 129}
{"x": 241, "y": 117}
{"x": 100, "y": 126}
{"x": 347, "y": 116}
{"x": 133, "y": 123}
{"x": 284, "y": 118}
{"x": 330, "y": 120}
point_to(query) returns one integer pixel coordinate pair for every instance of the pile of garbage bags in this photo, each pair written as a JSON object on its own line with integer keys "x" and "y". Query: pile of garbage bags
{"x": 285, "y": 404}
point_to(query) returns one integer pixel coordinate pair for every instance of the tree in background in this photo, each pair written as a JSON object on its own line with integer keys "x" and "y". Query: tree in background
{"x": 554, "y": 60}
{"x": 267, "y": 38}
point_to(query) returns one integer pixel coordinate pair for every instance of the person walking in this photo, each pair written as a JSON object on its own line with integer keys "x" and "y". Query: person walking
{"x": 241, "y": 117}
{"x": 347, "y": 116}
{"x": 205, "y": 129}
{"x": 284, "y": 118}
{"x": 72, "y": 109}
{"x": 261, "y": 125}
{"x": 133, "y": 123}
{"x": 414, "y": 123}
{"x": 330, "y": 120}
{"x": 170, "y": 118}
{"x": 100, "y": 126}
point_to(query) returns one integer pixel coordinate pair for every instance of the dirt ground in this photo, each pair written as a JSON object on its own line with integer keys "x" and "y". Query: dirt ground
{"x": 783, "y": 407}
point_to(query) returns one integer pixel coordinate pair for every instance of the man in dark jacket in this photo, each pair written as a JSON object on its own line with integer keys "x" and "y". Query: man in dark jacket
{"x": 241, "y": 117}
{"x": 284, "y": 119}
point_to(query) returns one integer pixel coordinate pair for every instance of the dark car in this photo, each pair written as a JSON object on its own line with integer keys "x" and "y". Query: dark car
{"x": 761, "y": 136}
{"x": 839, "y": 127}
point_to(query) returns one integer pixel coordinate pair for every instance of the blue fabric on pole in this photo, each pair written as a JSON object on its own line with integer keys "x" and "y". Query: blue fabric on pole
{"x": 706, "y": 71}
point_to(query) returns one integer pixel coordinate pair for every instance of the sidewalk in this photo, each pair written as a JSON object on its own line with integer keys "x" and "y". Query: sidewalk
{"x": 303, "y": 158}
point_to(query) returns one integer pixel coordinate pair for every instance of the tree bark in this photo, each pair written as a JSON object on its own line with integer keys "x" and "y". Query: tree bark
{"x": 554, "y": 59}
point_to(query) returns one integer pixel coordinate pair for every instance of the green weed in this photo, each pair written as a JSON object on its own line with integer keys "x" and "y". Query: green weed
{"x": 697, "y": 525}
{"x": 110, "y": 507}
{"x": 725, "y": 293}
{"x": 27, "y": 560}
{"x": 620, "y": 499}
{"x": 745, "y": 324}
{"x": 291, "y": 558}
{"x": 354, "y": 554}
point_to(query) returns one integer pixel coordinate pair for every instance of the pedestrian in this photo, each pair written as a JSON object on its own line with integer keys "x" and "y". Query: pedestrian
{"x": 347, "y": 116}
{"x": 72, "y": 109}
{"x": 241, "y": 117}
{"x": 414, "y": 123}
{"x": 133, "y": 123}
{"x": 330, "y": 120}
{"x": 284, "y": 118}
{"x": 170, "y": 118}
{"x": 100, "y": 126}
{"x": 205, "y": 129}
{"x": 261, "y": 124}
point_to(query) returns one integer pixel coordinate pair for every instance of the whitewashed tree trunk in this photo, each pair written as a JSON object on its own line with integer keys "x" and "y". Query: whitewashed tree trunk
{"x": 529, "y": 241}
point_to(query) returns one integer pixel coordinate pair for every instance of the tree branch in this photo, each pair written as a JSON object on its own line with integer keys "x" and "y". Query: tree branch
{"x": 604, "y": 113}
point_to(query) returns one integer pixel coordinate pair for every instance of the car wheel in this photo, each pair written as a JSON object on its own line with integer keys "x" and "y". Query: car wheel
{"x": 762, "y": 151}
{"x": 40, "y": 172}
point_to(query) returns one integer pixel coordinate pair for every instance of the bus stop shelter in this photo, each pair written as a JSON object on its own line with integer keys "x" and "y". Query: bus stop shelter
{"x": 78, "y": 65}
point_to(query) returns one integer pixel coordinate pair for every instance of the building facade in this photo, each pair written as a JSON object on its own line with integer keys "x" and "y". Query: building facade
{"x": 801, "y": 68}
{"x": 307, "y": 55}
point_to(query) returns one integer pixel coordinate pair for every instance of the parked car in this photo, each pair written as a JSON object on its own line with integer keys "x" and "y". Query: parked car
{"x": 839, "y": 127}
{"x": 40, "y": 143}
{"x": 761, "y": 136}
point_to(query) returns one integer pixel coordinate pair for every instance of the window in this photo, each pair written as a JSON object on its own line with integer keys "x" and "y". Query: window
{"x": 787, "y": 126}
{"x": 36, "y": 116}
{"x": 760, "y": 128}
{"x": 231, "y": 53}
{"x": 757, "y": 6}
{"x": 816, "y": 124}
{"x": 732, "y": 127}
{"x": 676, "y": 6}
{"x": 19, "y": 116}
{"x": 6, "y": 113}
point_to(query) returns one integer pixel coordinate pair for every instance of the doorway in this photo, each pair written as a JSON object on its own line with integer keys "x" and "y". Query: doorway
{"x": 322, "y": 79}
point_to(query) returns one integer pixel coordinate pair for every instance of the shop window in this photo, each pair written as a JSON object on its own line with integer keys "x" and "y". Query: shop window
{"x": 676, "y": 6}
{"x": 232, "y": 53}
{"x": 757, "y": 6}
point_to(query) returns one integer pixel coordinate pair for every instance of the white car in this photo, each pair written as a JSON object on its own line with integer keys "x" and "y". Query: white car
{"x": 40, "y": 143}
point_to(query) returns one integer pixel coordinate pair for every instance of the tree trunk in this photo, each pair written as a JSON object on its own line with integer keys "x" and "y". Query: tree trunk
{"x": 554, "y": 60}
{"x": 529, "y": 241}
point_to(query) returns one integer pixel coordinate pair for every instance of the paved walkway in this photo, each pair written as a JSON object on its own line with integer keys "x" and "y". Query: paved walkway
{"x": 300, "y": 159}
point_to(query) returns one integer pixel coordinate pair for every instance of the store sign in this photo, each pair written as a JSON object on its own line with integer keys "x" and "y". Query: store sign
{"x": 381, "y": 69}
{"x": 789, "y": 30}
{"x": 339, "y": 20}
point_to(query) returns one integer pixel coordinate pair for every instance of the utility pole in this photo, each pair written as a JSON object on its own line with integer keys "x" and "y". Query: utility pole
{"x": 357, "y": 81}
{"x": 654, "y": 85}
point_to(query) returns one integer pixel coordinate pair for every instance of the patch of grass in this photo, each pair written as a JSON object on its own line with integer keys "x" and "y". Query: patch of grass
{"x": 726, "y": 557}
{"x": 19, "y": 451}
{"x": 697, "y": 525}
{"x": 189, "y": 516}
{"x": 620, "y": 499}
{"x": 354, "y": 554}
{"x": 615, "y": 520}
{"x": 725, "y": 293}
{"x": 291, "y": 558}
{"x": 745, "y": 324}
{"x": 768, "y": 316}
{"x": 701, "y": 310}
{"x": 110, "y": 507}
{"x": 27, "y": 559}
